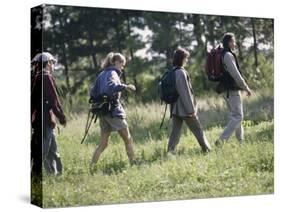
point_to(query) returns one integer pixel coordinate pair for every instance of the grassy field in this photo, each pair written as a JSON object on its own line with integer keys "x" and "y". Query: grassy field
{"x": 232, "y": 170}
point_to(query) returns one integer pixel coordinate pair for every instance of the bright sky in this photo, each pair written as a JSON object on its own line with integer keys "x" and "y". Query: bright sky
{"x": 146, "y": 34}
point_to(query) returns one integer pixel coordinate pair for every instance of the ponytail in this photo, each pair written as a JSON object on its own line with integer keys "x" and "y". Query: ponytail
{"x": 107, "y": 60}
{"x": 111, "y": 58}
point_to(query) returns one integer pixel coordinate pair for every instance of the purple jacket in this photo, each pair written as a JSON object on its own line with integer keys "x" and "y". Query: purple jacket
{"x": 108, "y": 82}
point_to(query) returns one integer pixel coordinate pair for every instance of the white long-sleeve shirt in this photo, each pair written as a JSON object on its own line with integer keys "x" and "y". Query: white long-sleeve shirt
{"x": 232, "y": 69}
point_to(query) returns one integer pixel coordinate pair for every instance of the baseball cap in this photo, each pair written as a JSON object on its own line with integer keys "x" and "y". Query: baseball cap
{"x": 43, "y": 57}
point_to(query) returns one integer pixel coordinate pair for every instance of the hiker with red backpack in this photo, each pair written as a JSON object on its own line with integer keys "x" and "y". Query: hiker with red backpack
{"x": 183, "y": 107}
{"x": 45, "y": 107}
{"x": 222, "y": 66}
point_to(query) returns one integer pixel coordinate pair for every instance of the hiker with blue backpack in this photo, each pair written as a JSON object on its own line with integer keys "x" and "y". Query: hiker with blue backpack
{"x": 107, "y": 93}
{"x": 231, "y": 82}
{"x": 176, "y": 90}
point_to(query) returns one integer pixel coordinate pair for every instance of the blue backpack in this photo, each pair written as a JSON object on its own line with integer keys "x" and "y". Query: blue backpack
{"x": 167, "y": 87}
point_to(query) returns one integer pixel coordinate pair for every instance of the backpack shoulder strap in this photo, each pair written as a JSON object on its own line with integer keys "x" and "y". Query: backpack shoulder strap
{"x": 176, "y": 68}
{"x": 222, "y": 60}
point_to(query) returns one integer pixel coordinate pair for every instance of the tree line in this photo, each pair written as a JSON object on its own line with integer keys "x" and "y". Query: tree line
{"x": 81, "y": 37}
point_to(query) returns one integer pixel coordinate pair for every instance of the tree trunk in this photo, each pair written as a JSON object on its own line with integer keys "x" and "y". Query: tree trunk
{"x": 117, "y": 29}
{"x": 94, "y": 58}
{"x": 211, "y": 32}
{"x": 239, "y": 48}
{"x": 201, "y": 48}
{"x": 255, "y": 42}
{"x": 66, "y": 68}
{"x": 204, "y": 76}
{"x": 66, "y": 73}
{"x": 132, "y": 58}
{"x": 129, "y": 34}
{"x": 93, "y": 53}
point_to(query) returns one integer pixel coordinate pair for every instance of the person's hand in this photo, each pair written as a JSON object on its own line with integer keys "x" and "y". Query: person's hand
{"x": 191, "y": 115}
{"x": 63, "y": 121}
{"x": 249, "y": 92}
{"x": 131, "y": 87}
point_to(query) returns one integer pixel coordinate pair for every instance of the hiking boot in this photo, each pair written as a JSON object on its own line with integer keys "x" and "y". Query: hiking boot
{"x": 206, "y": 148}
{"x": 171, "y": 151}
{"x": 93, "y": 169}
{"x": 135, "y": 162}
{"x": 218, "y": 143}
{"x": 171, "y": 155}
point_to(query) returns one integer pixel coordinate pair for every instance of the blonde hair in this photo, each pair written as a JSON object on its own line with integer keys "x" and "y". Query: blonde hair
{"x": 111, "y": 58}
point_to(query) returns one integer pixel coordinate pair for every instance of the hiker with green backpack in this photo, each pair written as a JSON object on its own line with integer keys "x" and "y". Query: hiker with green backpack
{"x": 176, "y": 90}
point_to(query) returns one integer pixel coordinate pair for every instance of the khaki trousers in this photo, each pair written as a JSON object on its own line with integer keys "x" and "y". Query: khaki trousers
{"x": 195, "y": 127}
{"x": 234, "y": 124}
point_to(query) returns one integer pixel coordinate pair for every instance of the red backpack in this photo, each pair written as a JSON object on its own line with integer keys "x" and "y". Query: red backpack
{"x": 214, "y": 66}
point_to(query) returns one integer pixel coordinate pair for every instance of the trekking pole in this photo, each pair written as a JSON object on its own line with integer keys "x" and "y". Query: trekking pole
{"x": 168, "y": 124}
{"x": 88, "y": 117}
{"x": 163, "y": 117}
{"x": 88, "y": 125}
{"x": 58, "y": 130}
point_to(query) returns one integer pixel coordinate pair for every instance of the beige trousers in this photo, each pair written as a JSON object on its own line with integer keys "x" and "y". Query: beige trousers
{"x": 234, "y": 124}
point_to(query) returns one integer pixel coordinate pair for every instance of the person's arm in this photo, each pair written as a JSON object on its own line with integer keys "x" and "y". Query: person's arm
{"x": 184, "y": 92}
{"x": 232, "y": 69}
{"x": 114, "y": 84}
{"x": 52, "y": 97}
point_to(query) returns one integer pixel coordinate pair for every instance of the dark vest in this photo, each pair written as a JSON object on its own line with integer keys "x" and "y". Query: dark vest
{"x": 227, "y": 80}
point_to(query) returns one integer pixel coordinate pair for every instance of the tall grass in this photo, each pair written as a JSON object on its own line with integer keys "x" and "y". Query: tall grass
{"x": 228, "y": 171}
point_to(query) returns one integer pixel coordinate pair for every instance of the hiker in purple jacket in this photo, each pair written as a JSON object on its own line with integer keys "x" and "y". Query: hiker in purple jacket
{"x": 108, "y": 83}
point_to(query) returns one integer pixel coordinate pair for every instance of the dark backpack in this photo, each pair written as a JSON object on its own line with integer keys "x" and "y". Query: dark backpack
{"x": 216, "y": 72}
{"x": 100, "y": 102}
{"x": 214, "y": 66}
{"x": 167, "y": 87}
{"x": 100, "y": 105}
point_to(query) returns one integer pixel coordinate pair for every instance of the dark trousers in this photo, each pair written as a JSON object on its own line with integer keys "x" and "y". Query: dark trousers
{"x": 44, "y": 151}
{"x": 194, "y": 126}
